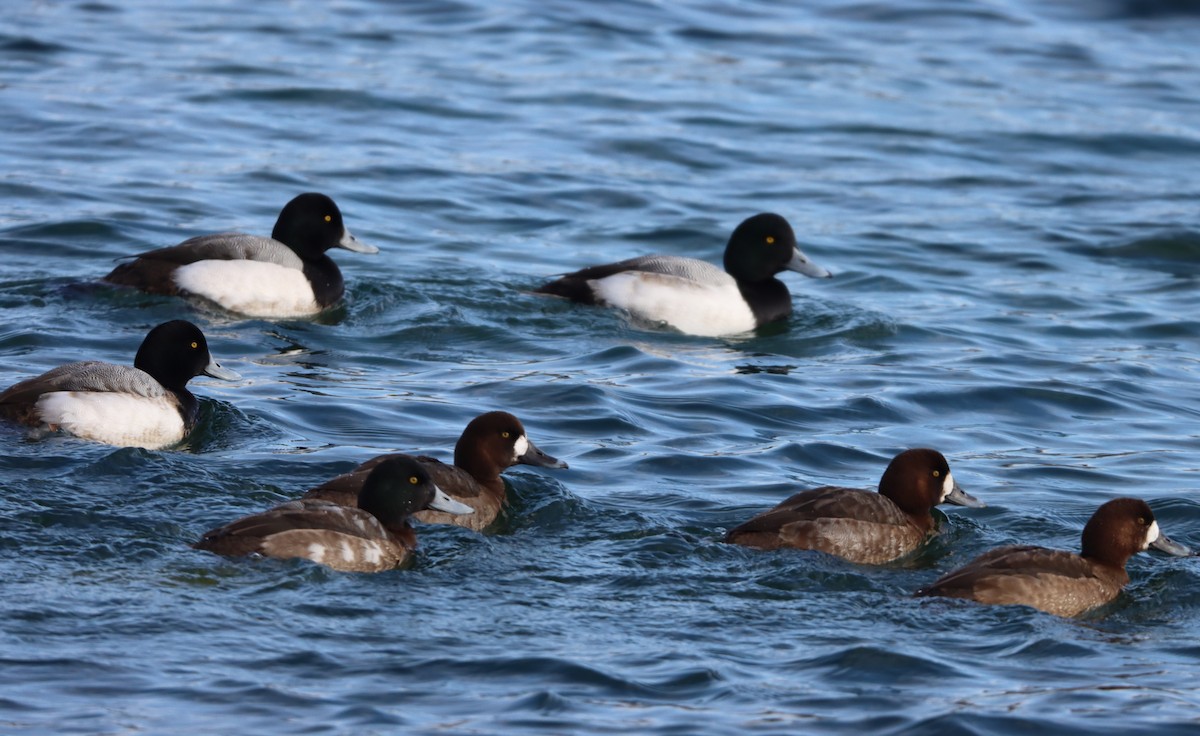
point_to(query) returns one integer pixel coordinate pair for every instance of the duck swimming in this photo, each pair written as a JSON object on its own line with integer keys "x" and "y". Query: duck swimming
{"x": 858, "y": 525}
{"x": 147, "y": 405}
{"x": 694, "y": 296}
{"x": 1057, "y": 581}
{"x": 491, "y": 443}
{"x": 373, "y": 536}
{"x": 285, "y": 275}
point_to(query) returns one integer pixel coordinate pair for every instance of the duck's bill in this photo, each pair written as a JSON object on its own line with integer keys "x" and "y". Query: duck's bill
{"x": 215, "y": 370}
{"x": 534, "y": 456}
{"x": 959, "y": 497}
{"x": 800, "y": 263}
{"x": 443, "y": 502}
{"x": 1164, "y": 544}
{"x": 349, "y": 242}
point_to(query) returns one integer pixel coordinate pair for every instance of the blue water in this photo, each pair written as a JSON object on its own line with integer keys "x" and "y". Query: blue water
{"x": 1005, "y": 189}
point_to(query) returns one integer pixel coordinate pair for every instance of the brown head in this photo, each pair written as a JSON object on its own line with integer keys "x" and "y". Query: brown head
{"x": 495, "y": 441}
{"x": 917, "y": 480}
{"x": 1120, "y": 529}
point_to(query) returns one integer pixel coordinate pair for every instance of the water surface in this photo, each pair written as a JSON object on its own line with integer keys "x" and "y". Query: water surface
{"x": 1005, "y": 192}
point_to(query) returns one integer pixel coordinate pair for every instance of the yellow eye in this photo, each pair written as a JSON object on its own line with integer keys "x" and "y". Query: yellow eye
{"x": 328, "y": 218}
{"x": 505, "y": 435}
{"x": 413, "y": 480}
{"x": 770, "y": 239}
{"x": 1142, "y": 520}
{"x": 195, "y": 345}
{"x": 937, "y": 474}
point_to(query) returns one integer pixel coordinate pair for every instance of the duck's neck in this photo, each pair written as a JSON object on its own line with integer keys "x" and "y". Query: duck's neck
{"x": 404, "y": 534}
{"x": 769, "y": 299}
{"x": 326, "y": 279}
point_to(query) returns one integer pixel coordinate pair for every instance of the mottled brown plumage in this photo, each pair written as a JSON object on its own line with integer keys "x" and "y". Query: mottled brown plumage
{"x": 858, "y": 525}
{"x": 490, "y": 444}
{"x": 1057, "y": 581}
{"x": 372, "y": 536}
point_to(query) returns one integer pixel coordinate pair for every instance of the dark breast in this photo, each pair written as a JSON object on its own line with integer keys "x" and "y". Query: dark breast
{"x": 769, "y": 300}
{"x": 326, "y": 280}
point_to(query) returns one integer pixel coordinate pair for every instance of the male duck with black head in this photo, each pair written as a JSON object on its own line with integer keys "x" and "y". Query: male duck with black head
{"x": 491, "y": 443}
{"x": 147, "y": 405}
{"x": 858, "y": 525}
{"x": 1057, "y": 581}
{"x": 373, "y": 536}
{"x": 695, "y": 296}
{"x": 285, "y": 275}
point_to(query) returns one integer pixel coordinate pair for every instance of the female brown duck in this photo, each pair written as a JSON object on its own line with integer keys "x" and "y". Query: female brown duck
{"x": 371, "y": 537}
{"x": 857, "y": 525}
{"x": 1057, "y": 581}
{"x": 491, "y": 443}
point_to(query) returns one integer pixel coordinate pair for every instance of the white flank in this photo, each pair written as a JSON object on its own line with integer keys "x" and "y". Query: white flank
{"x": 253, "y": 288}
{"x": 347, "y": 551}
{"x": 316, "y": 552}
{"x": 695, "y": 309}
{"x": 124, "y": 420}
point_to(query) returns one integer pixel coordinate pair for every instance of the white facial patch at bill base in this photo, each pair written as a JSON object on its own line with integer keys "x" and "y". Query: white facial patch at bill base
{"x": 120, "y": 419}
{"x": 520, "y": 447}
{"x": 1151, "y": 534}
{"x": 252, "y": 288}
{"x": 947, "y": 487}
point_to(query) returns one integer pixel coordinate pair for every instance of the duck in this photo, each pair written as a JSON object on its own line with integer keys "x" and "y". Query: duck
{"x": 372, "y": 536}
{"x": 147, "y": 405}
{"x": 285, "y": 275}
{"x": 491, "y": 443}
{"x": 696, "y": 297}
{"x": 859, "y": 525}
{"x": 1057, "y": 581}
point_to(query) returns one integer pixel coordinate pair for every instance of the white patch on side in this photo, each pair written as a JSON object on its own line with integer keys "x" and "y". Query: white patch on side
{"x": 520, "y": 447}
{"x": 947, "y": 487}
{"x": 253, "y": 288}
{"x": 316, "y": 552}
{"x": 120, "y": 419}
{"x": 372, "y": 553}
{"x": 348, "y": 553}
{"x": 1151, "y": 534}
{"x": 695, "y": 309}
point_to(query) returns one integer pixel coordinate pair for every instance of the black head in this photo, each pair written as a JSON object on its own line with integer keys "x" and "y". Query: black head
{"x": 175, "y": 352}
{"x": 310, "y": 225}
{"x": 917, "y": 480}
{"x": 764, "y": 245}
{"x": 495, "y": 441}
{"x": 1121, "y": 528}
{"x": 396, "y": 489}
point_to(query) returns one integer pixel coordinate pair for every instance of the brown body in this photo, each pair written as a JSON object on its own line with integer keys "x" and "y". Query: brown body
{"x": 486, "y": 498}
{"x": 858, "y": 525}
{"x": 343, "y": 538}
{"x": 490, "y": 444}
{"x": 1057, "y": 581}
{"x": 372, "y": 536}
